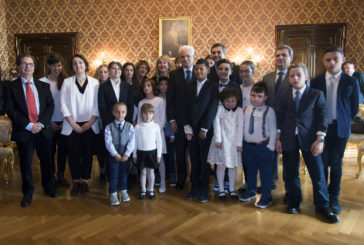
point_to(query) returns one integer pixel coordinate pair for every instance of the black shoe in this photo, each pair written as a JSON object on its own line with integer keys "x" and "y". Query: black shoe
{"x": 335, "y": 205}
{"x": 62, "y": 182}
{"x": 151, "y": 195}
{"x": 191, "y": 195}
{"x": 26, "y": 201}
{"x": 52, "y": 193}
{"x": 75, "y": 188}
{"x": 84, "y": 188}
{"x": 222, "y": 196}
{"x": 293, "y": 209}
{"x": 172, "y": 180}
{"x": 179, "y": 186}
{"x": 327, "y": 215}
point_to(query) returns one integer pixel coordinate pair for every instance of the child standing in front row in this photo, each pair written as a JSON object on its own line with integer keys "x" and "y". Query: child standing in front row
{"x": 148, "y": 149}
{"x": 120, "y": 142}
{"x": 260, "y": 133}
{"x": 226, "y": 146}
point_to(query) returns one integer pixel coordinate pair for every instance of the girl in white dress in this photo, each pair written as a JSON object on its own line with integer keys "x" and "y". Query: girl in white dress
{"x": 226, "y": 145}
{"x": 150, "y": 92}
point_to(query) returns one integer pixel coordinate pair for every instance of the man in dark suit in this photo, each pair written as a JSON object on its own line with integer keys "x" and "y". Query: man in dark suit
{"x": 342, "y": 100}
{"x": 349, "y": 69}
{"x": 201, "y": 107}
{"x": 301, "y": 125}
{"x": 218, "y": 52}
{"x": 176, "y": 110}
{"x": 277, "y": 81}
{"x": 30, "y": 106}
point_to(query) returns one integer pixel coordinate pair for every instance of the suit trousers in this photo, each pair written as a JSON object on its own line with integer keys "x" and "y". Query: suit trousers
{"x": 58, "y": 145}
{"x": 26, "y": 150}
{"x": 181, "y": 155}
{"x": 332, "y": 158}
{"x": 315, "y": 168}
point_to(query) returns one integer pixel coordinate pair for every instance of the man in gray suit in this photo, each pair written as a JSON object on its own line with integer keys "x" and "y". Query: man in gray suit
{"x": 277, "y": 81}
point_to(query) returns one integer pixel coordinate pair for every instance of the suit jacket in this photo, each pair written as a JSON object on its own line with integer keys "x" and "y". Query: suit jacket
{"x": 107, "y": 99}
{"x": 176, "y": 95}
{"x": 17, "y": 110}
{"x": 201, "y": 110}
{"x": 270, "y": 80}
{"x": 234, "y": 77}
{"x": 347, "y": 101}
{"x": 310, "y": 118}
{"x": 360, "y": 77}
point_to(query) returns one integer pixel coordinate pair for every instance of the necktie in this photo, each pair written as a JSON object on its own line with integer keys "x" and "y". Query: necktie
{"x": 251, "y": 122}
{"x": 120, "y": 128}
{"x": 330, "y": 99}
{"x": 188, "y": 77}
{"x": 32, "y": 108}
{"x": 279, "y": 82}
{"x": 221, "y": 85}
{"x": 297, "y": 99}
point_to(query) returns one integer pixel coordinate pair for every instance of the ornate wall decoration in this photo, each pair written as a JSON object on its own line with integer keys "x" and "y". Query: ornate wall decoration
{"x": 3, "y": 41}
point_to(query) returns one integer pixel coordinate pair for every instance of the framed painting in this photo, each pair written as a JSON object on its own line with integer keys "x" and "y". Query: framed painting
{"x": 174, "y": 32}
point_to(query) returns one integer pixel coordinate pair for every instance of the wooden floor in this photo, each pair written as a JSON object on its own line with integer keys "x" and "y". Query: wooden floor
{"x": 171, "y": 219}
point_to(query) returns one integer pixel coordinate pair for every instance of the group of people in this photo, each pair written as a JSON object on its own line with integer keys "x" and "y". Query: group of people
{"x": 211, "y": 109}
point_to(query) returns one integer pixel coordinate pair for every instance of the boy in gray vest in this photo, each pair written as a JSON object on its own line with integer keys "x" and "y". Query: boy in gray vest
{"x": 120, "y": 142}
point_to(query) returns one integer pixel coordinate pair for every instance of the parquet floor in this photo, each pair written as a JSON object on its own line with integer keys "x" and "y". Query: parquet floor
{"x": 171, "y": 219}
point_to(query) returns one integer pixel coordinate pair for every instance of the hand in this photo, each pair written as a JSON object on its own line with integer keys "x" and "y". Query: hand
{"x": 135, "y": 160}
{"x": 124, "y": 158}
{"x": 36, "y": 128}
{"x": 117, "y": 158}
{"x": 279, "y": 146}
{"x": 202, "y": 134}
{"x": 239, "y": 149}
{"x": 317, "y": 148}
{"x": 55, "y": 126}
{"x": 171, "y": 139}
{"x": 158, "y": 159}
{"x": 218, "y": 145}
{"x": 189, "y": 137}
{"x": 77, "y": 128}
{"x": 173, "y": 125}
{"x": 86, "y": 126}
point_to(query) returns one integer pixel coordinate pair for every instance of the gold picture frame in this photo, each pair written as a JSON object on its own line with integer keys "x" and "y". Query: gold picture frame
{"x": 174, "y": 32}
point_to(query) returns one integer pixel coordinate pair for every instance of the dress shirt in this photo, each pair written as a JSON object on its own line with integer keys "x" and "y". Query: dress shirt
{"x": 200, "y": 85}
{"x": 331, "y": 99}
{"x": 56, "y": 93}
{"x": 35, "y": 92}
{"x": 185, "y": 73}
{"x": 110, "y": 146}
{"x": 246, "y": 94}
{"x": 116, "y": 87}
{"x": 284, "y": 75}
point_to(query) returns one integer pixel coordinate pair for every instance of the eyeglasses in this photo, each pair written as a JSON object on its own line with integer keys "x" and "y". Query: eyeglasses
{"x": 26, "y": 64}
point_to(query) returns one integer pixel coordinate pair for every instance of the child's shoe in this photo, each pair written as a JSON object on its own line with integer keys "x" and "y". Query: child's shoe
{"x": 247, "y": 196}
{"x": 264, "y": 202}
{"x": 114, "y": 201}
{"x": 124, "y": 196}
{"x": 142, "y": 195}
{"x": 151, "y": 195}
{"x": 215, "y": 187}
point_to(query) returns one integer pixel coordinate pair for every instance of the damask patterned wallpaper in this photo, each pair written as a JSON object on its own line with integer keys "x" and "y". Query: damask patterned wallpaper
{"x": 3, "y": 39}
{"x": 128, "y": 29}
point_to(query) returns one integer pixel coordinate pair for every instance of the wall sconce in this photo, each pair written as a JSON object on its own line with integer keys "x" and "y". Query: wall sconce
{"x": 256, "y": 59}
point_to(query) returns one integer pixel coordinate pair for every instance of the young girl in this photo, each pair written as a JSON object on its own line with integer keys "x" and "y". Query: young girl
{"x": 169, "y": 159}
{"x": 226, "y": 145}
{"x": 148, "y": 149}
{"x": 150, "y": 91}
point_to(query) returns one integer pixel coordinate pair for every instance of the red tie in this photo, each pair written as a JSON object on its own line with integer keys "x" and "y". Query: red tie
{"x": 32, "y": 107}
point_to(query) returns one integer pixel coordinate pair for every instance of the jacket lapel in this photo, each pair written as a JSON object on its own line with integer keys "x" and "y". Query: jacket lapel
{"x": 303, "y": 100}
{"x": 111, "y": 90}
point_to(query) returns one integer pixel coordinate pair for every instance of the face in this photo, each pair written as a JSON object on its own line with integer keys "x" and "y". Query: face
{"x": 224, "y": 71}
{"x": 201, "y": 72}
{"x": 115, "y": 71}
{"x": 297, "y": 78}
{"x": 55, "y": 68}
{"x": 129, "y": 72}
{"x": 257, "y": 99}
{"x": 283, "y": 60}
{"x": 148, "y": 88}
{"x": 103, "y": 74}
{"x": 186, "y": 58}
{"x": 230, "y": 103}
{"x": 120, "y": 112}
{"x": 162, "y": 66}
{"x": 163, "y": 85}
{"x": 245, "y": 73}
{"x": 78, "y": 65}
{"x": 333, "y": 62}
{"x": 142, "y": 70}
{"x": 147, "y": 117}
{"x": 211, "y": 62}
{"x": 178, "y": 65}
{"x": 13, "y": 75}
{"x": 217, "y": 54}
{"x": 349, "y": 69}
{"x": 26, "y": 67}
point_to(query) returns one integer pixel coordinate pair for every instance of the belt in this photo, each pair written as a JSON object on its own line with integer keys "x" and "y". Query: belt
{"x": 259, "y": 143}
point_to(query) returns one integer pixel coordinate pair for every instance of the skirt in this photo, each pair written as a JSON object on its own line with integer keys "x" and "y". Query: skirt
{"x": 147, "y": 159}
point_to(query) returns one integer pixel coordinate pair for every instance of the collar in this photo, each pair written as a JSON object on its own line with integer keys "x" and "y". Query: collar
{"x": 301, "y": 90}
{"x": 201, "y": 83}
{"x": 114, "y": 82}
{"x": 185, "y": 69}
{"x": 336, "y": 76}
{"x": 24, "y": 81}
{"x": 117, "y": 122}
{"x": 284, "y": 71}
{"x": 224, "y": 84}
{"x": 233, "y": 109}
{"x": 259, "y": 108}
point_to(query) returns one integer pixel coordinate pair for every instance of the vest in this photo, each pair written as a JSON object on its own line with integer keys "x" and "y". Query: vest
{"x": 120, "y": 140}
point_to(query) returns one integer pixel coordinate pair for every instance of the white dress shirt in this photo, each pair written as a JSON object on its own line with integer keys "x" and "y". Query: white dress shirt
{"x": 116, "y": 87}
{"x": 110, "y": 146}
{"x": 56, "y": 94}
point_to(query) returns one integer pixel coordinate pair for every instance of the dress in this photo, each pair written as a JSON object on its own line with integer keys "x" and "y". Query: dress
{"x": 159, "y": 116}
{"x": 228, "y": 129}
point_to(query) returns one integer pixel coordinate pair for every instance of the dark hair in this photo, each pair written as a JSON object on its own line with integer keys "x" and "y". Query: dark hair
{"x": 204, "y": 62}
{"x": 334, "y": 49}
{"x": 142, "y": 62}
{"x": 154, "y": 86}
{"x": 348, "y": 62}
{"x": 215, "y": 45}
{"x": 248, "y": 63}
{"x": 162, "y": 78}
{"x": 229, "y": 92}
{"x": 54, "y": 58}
{"x": 23, "y": 55}
{"x": 290, "y": 50}
{"x": 133, "y": 79}
{"x": 260, "y": 87}
{"x": 224, "y": 61}
{"x": 115, "y": 63}
{"x": 119, "y": 104}
{"x": 146, "y": 108}
{"x": 82, "y": 58}
{"x": 208, "y": 57}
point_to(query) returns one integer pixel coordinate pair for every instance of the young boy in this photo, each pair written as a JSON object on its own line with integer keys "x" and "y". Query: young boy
{"x": 302, "y": 124}
{"x": 120, "y": 142}
{"x": 201, "y": 106}
{"x": 260, "y": 131}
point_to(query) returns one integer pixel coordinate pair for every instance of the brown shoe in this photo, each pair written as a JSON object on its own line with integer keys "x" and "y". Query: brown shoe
{"x": 75, "y": 188}
{"x": 84, "y": 188}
